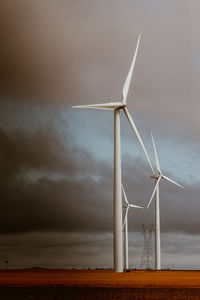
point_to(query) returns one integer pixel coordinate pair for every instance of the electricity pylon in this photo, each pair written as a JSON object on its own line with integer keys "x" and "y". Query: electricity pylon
{"x": 147, "y": 255}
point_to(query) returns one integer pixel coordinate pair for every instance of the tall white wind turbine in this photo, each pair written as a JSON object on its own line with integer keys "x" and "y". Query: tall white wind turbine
{"x": 127, "y": 205}
{"x": 157, "y": 177}
{"x": 117, "y": 106}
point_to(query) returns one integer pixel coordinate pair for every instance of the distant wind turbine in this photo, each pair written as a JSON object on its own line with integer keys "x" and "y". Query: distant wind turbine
{"x": 157, "y": 176}
{"x": 127, "y": 205}
{"x": 117, "y": 106}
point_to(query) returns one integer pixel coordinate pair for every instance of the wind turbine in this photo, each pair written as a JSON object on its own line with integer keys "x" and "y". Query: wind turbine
{"x": 127, "y": 205}
{"x": 117, "y": 106}
{"x": 158, "y": 176}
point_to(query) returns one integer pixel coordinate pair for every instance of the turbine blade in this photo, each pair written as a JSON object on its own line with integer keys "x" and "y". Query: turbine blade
{"x": 129, "y": 76}
{"x": 113, "y": 105}
{"x": 172, "y": 181}
{"x": 138, "y": 136}
{"x": 136, "y": 206}
{"x": 156, "y": 155}
{"x": 125, "y": 218}
{"x": 154, "y": 190}
{"x": 125, "y": 198}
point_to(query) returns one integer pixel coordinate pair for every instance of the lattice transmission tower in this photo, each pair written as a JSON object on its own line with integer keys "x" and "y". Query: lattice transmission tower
{"x": 147, "y": 255}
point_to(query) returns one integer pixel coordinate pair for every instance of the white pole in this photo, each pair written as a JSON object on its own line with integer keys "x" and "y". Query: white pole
{"x": 118, "y": 235}
{"x": 157, "y": 230}
{"x": 126, "y": 244}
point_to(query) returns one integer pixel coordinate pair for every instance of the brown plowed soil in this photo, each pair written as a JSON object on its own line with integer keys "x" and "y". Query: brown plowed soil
{"x": 100, "y": 278}
{"x": 99, "y": 285}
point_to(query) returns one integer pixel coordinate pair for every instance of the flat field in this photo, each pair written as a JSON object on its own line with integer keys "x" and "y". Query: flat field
{"x": 100, "y": 278}
{"x": 99, "y": 284}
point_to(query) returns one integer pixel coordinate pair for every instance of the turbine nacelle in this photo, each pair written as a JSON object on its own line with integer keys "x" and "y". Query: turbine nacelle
{"x": 105, "y": 106}
{"x": 155, "y": 176}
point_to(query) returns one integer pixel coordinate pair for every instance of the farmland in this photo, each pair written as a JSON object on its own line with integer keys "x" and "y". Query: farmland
{"x": 99, "y": 284}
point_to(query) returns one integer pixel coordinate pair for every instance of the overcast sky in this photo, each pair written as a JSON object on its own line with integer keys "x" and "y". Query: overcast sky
{"x": 56, "y": 163}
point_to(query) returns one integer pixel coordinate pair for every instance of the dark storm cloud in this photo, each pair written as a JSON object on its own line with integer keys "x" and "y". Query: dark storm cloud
{"x": 80, "y": 197}
{"x": 26, "y": 161}
{"x": 51, "y": 206}
{"x": 22, "y": 151}
{"x": 42, "y": 151}
{"x": 49, "y": 183}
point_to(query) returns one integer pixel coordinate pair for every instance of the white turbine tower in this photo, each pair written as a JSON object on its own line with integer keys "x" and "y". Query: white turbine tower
{"x": 117, "y": 106}
{"x": 157, "y": 176}
{"x": 127, "y": 205}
